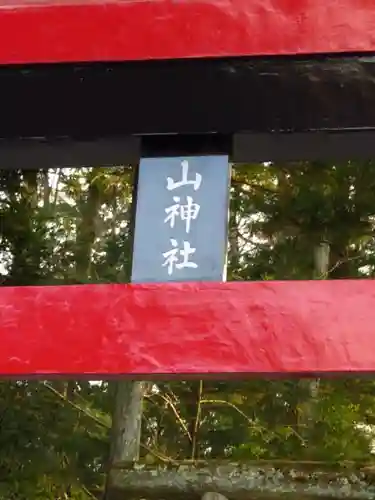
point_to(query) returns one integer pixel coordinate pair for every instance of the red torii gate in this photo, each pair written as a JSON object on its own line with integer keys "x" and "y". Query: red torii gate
{"x": 44, "y": 31}
{"x": 174, "y": 329}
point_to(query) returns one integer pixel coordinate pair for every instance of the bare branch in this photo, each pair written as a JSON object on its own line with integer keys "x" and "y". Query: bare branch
{"x": 249, "y": 420}
{"x": 169, "y": 402}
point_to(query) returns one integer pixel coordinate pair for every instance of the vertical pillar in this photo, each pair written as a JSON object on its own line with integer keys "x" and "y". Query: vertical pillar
{"x": 180, "y": 235}
{"x": 181, "y": 226}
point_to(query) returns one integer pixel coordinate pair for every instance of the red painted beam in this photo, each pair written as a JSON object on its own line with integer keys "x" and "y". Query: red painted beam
{"x": 188, "y": 329}
{"x": 43, "y": 31}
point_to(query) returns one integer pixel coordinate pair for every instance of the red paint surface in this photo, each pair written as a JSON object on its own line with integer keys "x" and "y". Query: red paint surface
{"x": 93, "y": 30}
{"x": 242, "y": 328}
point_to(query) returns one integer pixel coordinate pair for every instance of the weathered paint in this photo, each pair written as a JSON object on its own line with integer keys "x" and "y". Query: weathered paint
{"x": 92, "y": 30}
{"x": 188, "y": 329}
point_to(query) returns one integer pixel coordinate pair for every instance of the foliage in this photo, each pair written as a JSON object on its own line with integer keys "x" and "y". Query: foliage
{"x": 73, "y": 226}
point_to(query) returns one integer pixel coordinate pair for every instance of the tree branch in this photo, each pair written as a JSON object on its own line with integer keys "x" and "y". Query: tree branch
{"x": 169, "y": 402}
{"x": 160, "y": 457}
{"x": 238, "y": 410}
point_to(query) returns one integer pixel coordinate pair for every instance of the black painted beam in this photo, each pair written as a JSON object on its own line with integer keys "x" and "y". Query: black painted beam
{"x": 191, "y": 97}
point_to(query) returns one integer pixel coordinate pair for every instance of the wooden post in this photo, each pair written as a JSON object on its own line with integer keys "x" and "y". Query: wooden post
{"x": 180, "y": 235}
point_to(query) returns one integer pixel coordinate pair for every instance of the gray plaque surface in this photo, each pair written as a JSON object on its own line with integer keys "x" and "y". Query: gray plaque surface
{"x": 181, "y": 219}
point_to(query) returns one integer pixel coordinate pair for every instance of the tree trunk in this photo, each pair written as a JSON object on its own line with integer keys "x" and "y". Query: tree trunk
{"x": 321, "y": 269}
{"x": 127, "y": 422}
{"x": 86, "y": 228}
{"x": 238, "y": 482}
{"x": 127, "y": 414}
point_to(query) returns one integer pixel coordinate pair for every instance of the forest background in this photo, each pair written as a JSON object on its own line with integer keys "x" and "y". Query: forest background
{"x": 73, "y": 226}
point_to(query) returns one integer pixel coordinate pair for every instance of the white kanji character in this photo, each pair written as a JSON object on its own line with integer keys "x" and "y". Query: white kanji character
{"x": 186, "y": 212}
{"x": 172, "y": 260}
{"x": 171, "y": 184}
